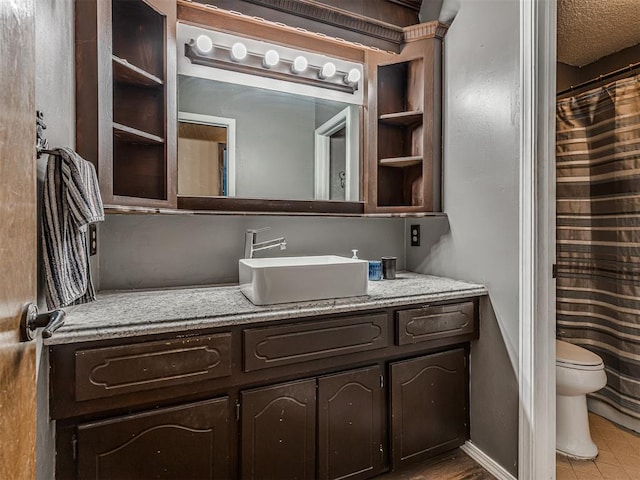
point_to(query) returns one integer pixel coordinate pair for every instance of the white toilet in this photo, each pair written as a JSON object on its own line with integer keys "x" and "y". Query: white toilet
{"x": 578, "y": 372}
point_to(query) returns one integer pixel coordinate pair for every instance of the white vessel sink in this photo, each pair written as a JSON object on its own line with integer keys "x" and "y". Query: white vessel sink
{"x": 266, "y": 281}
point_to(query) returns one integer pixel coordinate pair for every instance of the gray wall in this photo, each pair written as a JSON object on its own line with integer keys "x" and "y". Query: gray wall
{"x": 274, "y": 135}
{"x": 480, "y": 241}
{"x": 55, "y": 96}
{"x": 149, "y": 251}
{"x": 568, "y": 75}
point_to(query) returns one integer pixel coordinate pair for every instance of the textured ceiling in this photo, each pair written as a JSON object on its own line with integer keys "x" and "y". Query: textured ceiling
{"x": 592, "y": 29}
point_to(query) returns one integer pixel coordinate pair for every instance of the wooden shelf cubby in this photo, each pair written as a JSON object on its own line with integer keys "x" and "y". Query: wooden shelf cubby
{"x": 126, "y": 98}
{"x": 125, "y": 72}
{"x": 404, "y": 127}
{"x": 402, "y": 118}
{"x": 400, "y": 162}
{"x": 127, "y": 134}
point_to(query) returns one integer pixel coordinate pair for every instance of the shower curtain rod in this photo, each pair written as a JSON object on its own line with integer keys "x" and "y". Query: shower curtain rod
{"x": 600, "y": 78}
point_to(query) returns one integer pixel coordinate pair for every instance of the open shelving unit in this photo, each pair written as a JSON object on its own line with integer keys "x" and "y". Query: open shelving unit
{"x": 400, "y": 133}
{"x": 403, "y": 147}
{"x": 125, "y": 52}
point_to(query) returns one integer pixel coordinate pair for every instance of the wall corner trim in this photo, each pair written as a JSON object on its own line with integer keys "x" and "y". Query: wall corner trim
{"x": 485, "y": 461}
{"x": 536, "y": 302}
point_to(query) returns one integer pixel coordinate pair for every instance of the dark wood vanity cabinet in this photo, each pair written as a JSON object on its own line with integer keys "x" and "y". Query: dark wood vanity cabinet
{"x": 345, "y": 396}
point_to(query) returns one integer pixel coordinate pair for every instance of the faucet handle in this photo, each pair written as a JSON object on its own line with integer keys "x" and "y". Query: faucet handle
{"x": 258, "y": 230}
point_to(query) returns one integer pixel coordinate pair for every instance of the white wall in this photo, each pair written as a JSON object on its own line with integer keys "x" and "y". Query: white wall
{"x": 55, "y": 96}
{"x": 480, "y": 241}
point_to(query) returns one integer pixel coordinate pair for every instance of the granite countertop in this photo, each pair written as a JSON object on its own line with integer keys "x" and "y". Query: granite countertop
{"x": 131, "y": 313}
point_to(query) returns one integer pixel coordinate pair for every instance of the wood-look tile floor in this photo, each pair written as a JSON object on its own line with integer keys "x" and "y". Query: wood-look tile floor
{"x": 456, "y": 466}
{"x": 618, "y": 457}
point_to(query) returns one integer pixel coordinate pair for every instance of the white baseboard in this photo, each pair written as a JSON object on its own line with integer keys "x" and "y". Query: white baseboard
{"x": 486, "y": 461}
{"x": 605, "y": 410}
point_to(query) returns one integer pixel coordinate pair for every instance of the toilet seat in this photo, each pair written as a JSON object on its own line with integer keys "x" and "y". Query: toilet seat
{"x": 569, "y": 355}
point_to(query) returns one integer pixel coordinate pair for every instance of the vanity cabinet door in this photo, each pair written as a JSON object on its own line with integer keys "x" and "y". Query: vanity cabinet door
{"x": 350, "y": 420}
{"x": 279, "y": 431}
{"x": 428, "y": 406}
{"x": 180, "y": 443}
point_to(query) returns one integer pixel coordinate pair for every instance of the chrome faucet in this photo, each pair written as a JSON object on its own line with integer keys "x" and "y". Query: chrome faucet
{"x": 250, "y": 245}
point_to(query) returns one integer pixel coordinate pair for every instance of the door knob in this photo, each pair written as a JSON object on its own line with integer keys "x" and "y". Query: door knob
{"x": 31, "y": 320}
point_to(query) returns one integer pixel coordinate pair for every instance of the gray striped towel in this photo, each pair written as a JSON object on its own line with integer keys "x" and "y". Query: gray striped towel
{"x": 71, "y": 202}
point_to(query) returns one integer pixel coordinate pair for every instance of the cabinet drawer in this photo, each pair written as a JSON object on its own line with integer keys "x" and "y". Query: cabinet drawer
{"x": 111, "y": 371}
{"x": 283, "y": 345}
{"x": 431, "y": 323}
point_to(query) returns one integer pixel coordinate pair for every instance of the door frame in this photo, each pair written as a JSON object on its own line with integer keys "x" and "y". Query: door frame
{"x": 536, "y": 369}
{"x": 230, "y": 125}
{"x": 348, "y": 119}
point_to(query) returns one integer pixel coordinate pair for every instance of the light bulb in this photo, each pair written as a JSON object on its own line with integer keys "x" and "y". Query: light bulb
{"x": 353, "y": 76}
{"x": 328, "y": 70}
{"x": 299, "y": 65}
{"x": 238, "y": 52}
{"x": 271, "y": 59}
{"x": 204, "y": 44}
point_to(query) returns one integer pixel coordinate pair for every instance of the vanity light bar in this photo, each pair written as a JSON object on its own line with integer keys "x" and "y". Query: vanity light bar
{"x": 238, "y": 51}
{"x": 352, "y": 76}
{"x": 204, "y": 43}
{"x": 299, "y": 65}
{"x": 328, "y": 70}
{"x": 203, "y": 51}
{"x": 271, "y": 59}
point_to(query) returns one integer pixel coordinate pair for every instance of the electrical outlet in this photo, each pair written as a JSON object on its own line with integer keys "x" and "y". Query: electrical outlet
{"x": 415, "y": 235}
{"x": 93, "y": 239}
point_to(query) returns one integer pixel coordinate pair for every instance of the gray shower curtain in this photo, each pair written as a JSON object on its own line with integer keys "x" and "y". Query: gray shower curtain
{"x": 598, "y": 233}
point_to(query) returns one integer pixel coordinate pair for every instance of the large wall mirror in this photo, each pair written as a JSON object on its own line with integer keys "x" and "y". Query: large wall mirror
{"x": 250, "y": 136}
